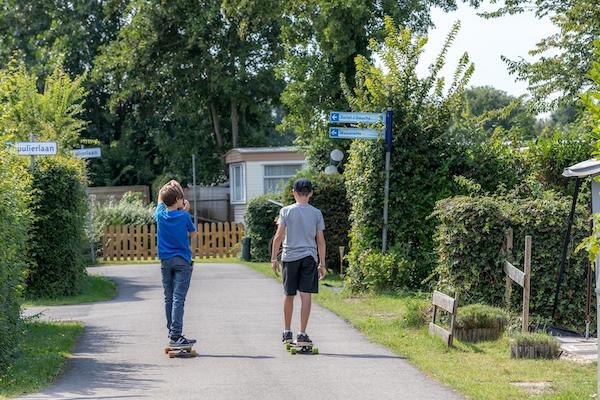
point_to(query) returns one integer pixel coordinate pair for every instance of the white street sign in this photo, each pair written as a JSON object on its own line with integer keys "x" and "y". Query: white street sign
{"x": 37, "y": 148}
{"x": 91, "y": 152}
{"x": 356, "y": 117}
{"x": 354, "y": 133}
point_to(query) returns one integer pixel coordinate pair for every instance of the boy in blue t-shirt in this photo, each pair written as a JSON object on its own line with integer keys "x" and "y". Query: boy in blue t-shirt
{"x": 174, "y": 229}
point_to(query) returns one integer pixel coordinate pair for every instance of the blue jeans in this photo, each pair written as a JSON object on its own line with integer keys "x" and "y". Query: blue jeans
{"x": 176, "y": 276}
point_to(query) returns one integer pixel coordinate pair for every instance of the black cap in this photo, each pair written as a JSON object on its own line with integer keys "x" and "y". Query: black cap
{"x": 303, "y": 185}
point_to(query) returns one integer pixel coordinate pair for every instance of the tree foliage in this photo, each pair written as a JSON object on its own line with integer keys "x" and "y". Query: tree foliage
{"x": 321, "y": 41}
{"x": 420, "y": 163}
{"x": 564, "y": 58}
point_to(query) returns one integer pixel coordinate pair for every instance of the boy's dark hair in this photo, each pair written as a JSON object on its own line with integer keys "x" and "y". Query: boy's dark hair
{"x": 170, "y": 193}
{"x": 303, "y": 186}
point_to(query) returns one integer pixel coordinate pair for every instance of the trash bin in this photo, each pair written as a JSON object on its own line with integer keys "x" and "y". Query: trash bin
{"x": 245, "y": 249}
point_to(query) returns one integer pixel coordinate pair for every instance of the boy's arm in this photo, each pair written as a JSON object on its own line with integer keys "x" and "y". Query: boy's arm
{"x": 276, "y": 245}
{"x": 321, "y": 247}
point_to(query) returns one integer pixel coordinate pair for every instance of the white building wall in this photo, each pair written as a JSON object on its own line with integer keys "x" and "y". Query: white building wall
{"x": 255, "y": 183}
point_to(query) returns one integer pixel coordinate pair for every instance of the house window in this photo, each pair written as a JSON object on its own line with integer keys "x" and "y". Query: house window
{"x": 276, "y": 176}
{"x": 238, "y": 190}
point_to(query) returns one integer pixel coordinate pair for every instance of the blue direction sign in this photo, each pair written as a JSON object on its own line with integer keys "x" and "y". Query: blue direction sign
{"x": 354, "y": 133}
{"x": 356, "y": 117}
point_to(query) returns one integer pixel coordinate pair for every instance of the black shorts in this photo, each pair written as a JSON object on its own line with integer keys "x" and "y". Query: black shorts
{"x": 300, "y": 275}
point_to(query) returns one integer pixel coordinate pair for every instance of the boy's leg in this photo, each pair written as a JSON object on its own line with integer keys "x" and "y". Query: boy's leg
{"x": 305, "y": 310}
{"x": 181, "y": 284}
{"x": 288, "y": 310}
{"x": 308, "y": 284}
{"x": 167, "y": 281}
{"x": 290, "y": 274}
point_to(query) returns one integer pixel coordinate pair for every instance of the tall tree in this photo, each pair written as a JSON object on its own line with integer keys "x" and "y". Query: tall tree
{"x": 560, "y": 72}
{"x": 195, "y": 79}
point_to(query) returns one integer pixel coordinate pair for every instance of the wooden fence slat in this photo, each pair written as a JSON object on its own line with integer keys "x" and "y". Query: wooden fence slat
{"x": 115, "y": 243}
{"x": 207, "y": 239}
{"x": 139, "y": 252}
{"x": 514, "y": 273}
{"x": 144, "y": 242}
{"x": 200, "y": 240}
{"x": 227, "y": 237}
{"x": 153, "y": 254}
{"x": 220, "y": 239}
{"x": 526, "y": 284}
{"x": 214, "y": 235}
{"x": 443, "y": 301}
{"x": 441, "y": 332}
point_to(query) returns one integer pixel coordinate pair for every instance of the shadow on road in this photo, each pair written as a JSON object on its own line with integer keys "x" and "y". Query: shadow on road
{"x": 233, "y": 356}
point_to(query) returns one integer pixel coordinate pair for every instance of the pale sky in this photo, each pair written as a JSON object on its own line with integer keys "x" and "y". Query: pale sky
{"x": 485, "y": 40}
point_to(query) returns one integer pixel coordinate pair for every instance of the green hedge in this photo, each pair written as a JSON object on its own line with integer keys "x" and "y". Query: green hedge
{"x": 481, "y": 316}
{"x": 15, "y": 224}
{"x": 469, "y": 241}
{"x": 59, "y": 238}
{"x": 260, "y": 225}
{"x": 329, "y": 197}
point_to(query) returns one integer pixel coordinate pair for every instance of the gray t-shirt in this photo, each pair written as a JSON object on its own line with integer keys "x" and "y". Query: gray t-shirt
{"x": 302, "y": 222}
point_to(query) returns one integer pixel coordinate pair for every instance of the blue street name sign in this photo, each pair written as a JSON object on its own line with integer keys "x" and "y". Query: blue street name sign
{"x": 356, "y": 117}
{"x": 354, "y": 133}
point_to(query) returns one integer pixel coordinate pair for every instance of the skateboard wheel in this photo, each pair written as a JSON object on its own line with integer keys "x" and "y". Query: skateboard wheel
{"x": 171, "y": 354}
{"x": 315, "y": 350}
{"x": 167, "y": 350}
{"x": 193, "y": 353}
{"x": 288, "y": 346}
{"x": 293, "y": 351}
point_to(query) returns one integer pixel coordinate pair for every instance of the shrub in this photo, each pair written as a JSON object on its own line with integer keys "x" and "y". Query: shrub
{"x": 329, "y": 197}
{"x": 534, "y": 345}
{"x": 130, "y": 210}
{"x": 469, "y": 241}
{"x": 481, "y": 316}
{"x": 260, "y": 226}
{"x": 15, "y": 224}
{"x": 59, "y": 236}
{"x": 374, "y": 271}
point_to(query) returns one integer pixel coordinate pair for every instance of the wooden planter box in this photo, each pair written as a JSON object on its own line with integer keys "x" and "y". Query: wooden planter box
{"x": 478, "y": 334}
{"x": 533, "y": 352}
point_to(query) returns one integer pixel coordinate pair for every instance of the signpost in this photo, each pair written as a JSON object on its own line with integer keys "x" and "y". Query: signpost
{"x": 89, "y": 152}
{"x": 37, "y": 148}
{"x": 85, "y": 153}
{"x": 33, "y": 148}
{"x": 386, "y": 119}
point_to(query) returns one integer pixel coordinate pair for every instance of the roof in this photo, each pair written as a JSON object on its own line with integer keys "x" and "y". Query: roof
{"x": 589, "y": 167}
{"x": 283, "y": 153}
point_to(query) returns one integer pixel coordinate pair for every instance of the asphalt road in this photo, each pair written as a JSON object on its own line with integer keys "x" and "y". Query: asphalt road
{"x": 235, "y": 313}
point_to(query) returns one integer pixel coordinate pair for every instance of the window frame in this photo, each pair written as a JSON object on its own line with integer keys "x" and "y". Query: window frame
{"x": 301, "y": 164}
{"x": 232, "y": 182}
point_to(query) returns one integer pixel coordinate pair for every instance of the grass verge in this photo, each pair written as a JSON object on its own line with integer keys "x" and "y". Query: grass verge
{"x": 95, "y": 288}
{"x": 482, "y": 371}
{"x": 41, "y": 357}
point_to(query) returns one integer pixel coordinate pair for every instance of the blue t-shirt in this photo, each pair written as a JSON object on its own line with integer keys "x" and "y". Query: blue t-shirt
{"x": 172, "y": 233}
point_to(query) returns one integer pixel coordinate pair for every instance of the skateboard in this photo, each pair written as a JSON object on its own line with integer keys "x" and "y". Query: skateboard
{"x": 295, "y": 348}
{"x": 182, "y": 352}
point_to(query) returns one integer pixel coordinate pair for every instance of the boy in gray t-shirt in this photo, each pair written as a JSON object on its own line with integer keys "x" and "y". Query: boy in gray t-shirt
{"x": 302, "y": 227}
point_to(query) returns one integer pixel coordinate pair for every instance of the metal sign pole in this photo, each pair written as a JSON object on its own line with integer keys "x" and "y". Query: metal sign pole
{"x": 194, "y": 184}
{"x": 389, "y": 115}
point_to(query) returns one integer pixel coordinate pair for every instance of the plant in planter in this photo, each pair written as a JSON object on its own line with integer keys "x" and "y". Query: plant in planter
{"x": 477, "y": 322}
{"x": 534, "y": 345}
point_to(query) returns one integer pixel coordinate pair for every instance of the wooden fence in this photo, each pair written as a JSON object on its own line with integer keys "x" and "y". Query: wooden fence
{"x": 448, "y": 304}
{"x": 521, "y": 278}
{"x": 128, "y": 242}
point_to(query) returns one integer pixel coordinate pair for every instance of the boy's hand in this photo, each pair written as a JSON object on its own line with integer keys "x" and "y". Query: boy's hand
{"x": 186, "y": 205}
{"x": 275, "y": 267}
{"x": 322, "y": 271}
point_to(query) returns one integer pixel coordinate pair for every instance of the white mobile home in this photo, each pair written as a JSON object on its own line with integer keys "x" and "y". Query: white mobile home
{"x": 256, "y": 171}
